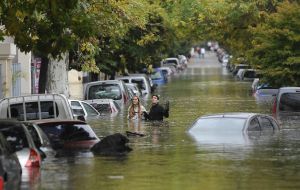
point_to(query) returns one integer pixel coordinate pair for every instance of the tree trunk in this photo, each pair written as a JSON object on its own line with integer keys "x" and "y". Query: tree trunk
{"x": 43, "y": 75}
{"x": 57, "y": 76}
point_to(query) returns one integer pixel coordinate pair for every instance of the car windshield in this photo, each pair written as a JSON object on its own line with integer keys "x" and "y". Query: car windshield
{"x": 89, "y": 109}
{"x": 103, "y": 91}
{"x": 219, "y": 124}
{"x": 156, "y": 75}
{"x": 140, "y": 83}
{"x": 290, "y": 102}
{"x": 62, "y": 132}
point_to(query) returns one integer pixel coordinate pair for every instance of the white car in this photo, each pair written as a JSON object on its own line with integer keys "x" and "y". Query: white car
{"x": 105, "y": 105}
{"x": 81, "y": 108}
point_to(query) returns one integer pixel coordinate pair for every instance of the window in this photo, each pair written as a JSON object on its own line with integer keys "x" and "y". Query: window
{"x": 105, "y": 91}
{"x": 290, "y": 102}
{"x": 140, "y": 83}
{"x": 89, "y": 109}
{"x": 266, "y": 124}
{"x": 32, "y": 110}
{"x": 254, "y": 125}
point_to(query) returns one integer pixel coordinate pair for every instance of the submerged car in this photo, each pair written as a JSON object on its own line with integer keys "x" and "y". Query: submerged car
{"x": 231, "y": 127}
{"x": 68, "y": 134}
{"x": 19, "y": 138}
{"x": 82, "y": 108}
{"x": 10, "y": 168}
{"x": 286, "y": 104}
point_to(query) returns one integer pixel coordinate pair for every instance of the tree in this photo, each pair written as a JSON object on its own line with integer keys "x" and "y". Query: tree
{"x": 276, "y": 45}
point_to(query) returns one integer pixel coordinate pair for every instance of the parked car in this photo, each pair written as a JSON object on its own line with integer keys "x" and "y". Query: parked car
{"x": 107, "y": 89}
{"x": 10, "y": 168}
{"x": 105, "y": 105}
{"x": 82, "y": 108}
{"x": 173, "y": 60}
{"x": 142, "y": 80}
{"x": 236, "y": 68}
{"x": 286, "y": 104}
{"x": 264, "y": 89}
{"x": 158, "y": 77}
{"x": 230, "y": 127}
{"x": 68, "y": 134}
{"x": 36, "y": 107}
{"x": 167, "y": 71}
{"x": 39, "y": 138}
{"x": 134, "y": 87}
{"x": 19, "y": 138}
{"x": 247, "y": 74}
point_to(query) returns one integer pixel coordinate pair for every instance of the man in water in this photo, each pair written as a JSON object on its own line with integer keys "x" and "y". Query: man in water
{"x": 157, "y": 112}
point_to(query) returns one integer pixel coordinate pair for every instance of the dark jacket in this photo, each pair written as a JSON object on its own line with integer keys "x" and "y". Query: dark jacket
{"x": 157, "y": 112}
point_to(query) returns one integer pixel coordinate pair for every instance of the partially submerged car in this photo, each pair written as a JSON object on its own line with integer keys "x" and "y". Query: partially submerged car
{"x": 68, "y": 134}
{"x": 82, "y": 108}
{"x": 286, "y": 104}
{"x": 231, "y": 127}
{"x": 105, "y": 106}
{"x": 10, "y": 168}
{"x": 19, "y": 138}
{"x": 36, "y": 107}
{"x": 107, "y": 89}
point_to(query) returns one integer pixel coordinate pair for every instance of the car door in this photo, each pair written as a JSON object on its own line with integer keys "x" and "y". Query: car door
{"x": 90, "y": 111}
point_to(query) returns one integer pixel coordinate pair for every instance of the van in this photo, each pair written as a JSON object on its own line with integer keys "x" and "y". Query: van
{"x": 287, "y": 104}
{"x": 142, "y": 80}
{"x": 107, "y": 89}
{"x": 36, "y": 107}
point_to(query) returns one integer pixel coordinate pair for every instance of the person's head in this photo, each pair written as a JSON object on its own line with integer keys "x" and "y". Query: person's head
{"x": 155, "y": 99}
{"x": 135, "y": 100}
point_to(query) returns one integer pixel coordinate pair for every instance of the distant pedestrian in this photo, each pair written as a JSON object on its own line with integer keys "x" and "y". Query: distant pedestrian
{"x": 202, "y": 52}
{"x": 157, "y": 112}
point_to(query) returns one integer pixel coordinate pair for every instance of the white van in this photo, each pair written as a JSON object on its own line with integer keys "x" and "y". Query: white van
{"x": 141, "y": 80}
{"x": 287, "y": 104}
{"x": 107, "y": 89}
{"x": 36, "y": 107}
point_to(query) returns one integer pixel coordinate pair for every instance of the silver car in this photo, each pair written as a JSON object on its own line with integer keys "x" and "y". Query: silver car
{"x": 231, "y": 127}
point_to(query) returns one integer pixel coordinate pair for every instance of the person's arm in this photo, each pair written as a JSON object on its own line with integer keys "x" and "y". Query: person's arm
{"x": 166, "y": 110}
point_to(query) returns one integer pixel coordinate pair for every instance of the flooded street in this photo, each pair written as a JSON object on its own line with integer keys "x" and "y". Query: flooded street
{"x": 168, "y": 158}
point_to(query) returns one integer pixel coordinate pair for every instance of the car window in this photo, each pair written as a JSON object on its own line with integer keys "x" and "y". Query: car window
{"x": 58, "y": 133}
{"x": 156, "y": 75}
{"x": 254, "y": 125}
{"x": 89, "y": 109}
{"x": 290, "y": 102}
{"x": 32, "y": 110}
{"x": 266, "y": 123}
{"x": 140, "y": 83}
{"x": 77, "y": 110}
{"x": 15, "y": 136}
{"x": 103, "y": 91}
{"x": 75, "y": 103}
{"x": 125, "y": 80}
{"x": 34, "y": 134}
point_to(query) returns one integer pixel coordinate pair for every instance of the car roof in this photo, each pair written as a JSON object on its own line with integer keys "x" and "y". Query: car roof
{"x": 242, "y": 115}
{"x": 58, "y": 121}
{"x": 289, "y": 89}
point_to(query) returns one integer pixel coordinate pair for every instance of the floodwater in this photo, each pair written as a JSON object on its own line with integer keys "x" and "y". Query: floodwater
{"x": 168, "y": 158}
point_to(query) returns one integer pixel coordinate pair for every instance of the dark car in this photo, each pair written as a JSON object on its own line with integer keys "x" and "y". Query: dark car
{"x": 68, "y": 134}
{"x": 10, "y": 168}
{"x": 19, "y": 138}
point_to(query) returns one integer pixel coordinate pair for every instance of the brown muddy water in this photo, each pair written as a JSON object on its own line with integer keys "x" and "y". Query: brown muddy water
{"x": 168, "y": 158}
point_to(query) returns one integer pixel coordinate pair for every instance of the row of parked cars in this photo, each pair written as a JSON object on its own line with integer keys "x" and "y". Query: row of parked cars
{"x": 283, "y": 101}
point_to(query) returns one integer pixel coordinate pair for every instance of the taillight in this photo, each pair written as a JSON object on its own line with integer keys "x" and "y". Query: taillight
{"x": 34, "y": 159}
{"x": 1, "y": 183}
